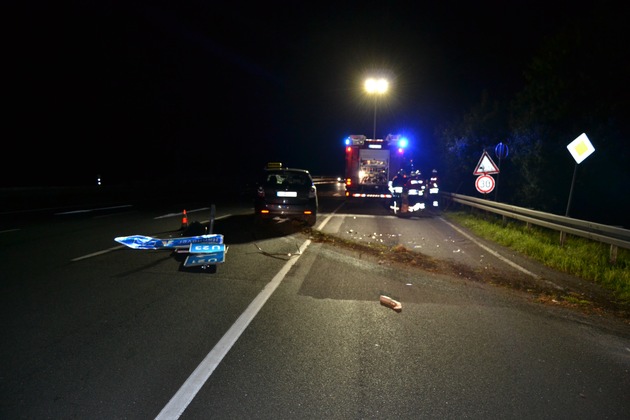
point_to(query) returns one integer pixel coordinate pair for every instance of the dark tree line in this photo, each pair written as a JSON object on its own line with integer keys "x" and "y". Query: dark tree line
{"x": 577, "y": 83}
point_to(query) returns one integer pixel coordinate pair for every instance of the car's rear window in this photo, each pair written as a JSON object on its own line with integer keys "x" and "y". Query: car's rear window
{"x": 287, "y": 178}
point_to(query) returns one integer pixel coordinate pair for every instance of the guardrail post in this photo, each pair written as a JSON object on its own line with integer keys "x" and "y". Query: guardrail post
{"x": 563, "y": 238}
{"x": 613, "y": 254}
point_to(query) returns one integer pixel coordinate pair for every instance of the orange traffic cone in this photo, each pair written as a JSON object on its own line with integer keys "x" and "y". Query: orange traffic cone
{"x": 184, "y": 220}
{"x": 391, "y": 303}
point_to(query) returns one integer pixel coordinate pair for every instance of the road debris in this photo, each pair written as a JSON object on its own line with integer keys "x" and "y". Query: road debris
{"x": 278, "y": 254}
{"x": 391, "y": 303}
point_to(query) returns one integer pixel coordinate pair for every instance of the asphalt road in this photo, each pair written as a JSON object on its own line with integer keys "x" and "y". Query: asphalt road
{"x": 289, "y": 326}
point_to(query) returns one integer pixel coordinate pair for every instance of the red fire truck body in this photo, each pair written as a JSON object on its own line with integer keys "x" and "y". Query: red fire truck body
{"x": 371, "y": 164}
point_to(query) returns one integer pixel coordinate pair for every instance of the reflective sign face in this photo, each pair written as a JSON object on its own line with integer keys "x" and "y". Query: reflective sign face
{"x": 484, "y": 184}
{"x": 486, "y": 165}
{"x": 501, "y": 150}
{"x": 206, "y": 248}
{"x": 580, "y": 148}
{"x": 205, "y": 259}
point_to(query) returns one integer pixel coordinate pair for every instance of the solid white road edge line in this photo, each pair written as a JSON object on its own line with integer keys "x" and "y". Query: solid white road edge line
{"x": 190, "y": 388}
{"x": 197, "y": 379}
{"x": 499, "y": 256}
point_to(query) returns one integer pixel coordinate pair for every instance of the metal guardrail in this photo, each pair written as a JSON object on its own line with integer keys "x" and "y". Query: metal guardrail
{"x": 324, "y": 179}
{"x": 614, "y": 236}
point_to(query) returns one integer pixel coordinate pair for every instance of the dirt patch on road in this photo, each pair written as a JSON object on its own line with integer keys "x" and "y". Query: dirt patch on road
{"x": 564, "y": 291}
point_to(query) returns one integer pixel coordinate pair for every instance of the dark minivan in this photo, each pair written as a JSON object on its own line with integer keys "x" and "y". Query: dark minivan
{"x": 285, "y": 193}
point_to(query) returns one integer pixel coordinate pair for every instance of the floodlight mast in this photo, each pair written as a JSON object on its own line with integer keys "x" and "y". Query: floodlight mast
{"x": 376, "y": 87}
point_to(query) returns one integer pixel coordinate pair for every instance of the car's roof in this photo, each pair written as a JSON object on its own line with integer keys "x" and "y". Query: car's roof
{"x": 278, "y": 166}
{"x": 286, "y": 170}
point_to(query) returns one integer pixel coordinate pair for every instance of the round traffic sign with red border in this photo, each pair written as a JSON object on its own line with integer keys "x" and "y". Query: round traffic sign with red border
{"x": 484, "y": 184}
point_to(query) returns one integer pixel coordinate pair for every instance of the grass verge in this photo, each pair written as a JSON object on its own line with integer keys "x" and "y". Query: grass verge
{"x": 579, "y": 257}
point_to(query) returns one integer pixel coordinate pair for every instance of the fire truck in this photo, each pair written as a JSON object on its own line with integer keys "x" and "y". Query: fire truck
{"x": 372, "y": 163}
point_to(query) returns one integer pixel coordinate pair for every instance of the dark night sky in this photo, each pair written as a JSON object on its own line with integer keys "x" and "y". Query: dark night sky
{"x": 143, "y": 90}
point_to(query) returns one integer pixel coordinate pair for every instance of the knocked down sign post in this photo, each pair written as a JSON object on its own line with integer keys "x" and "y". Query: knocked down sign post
{"x": 205, "y": 251}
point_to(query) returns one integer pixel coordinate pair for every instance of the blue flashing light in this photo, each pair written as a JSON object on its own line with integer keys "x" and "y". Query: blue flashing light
{"x": 403, "y": 143}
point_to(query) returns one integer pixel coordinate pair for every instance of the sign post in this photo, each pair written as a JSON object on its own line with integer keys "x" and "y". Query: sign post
{"x": 501, "y": 151}
{"x": 580, "y": 149}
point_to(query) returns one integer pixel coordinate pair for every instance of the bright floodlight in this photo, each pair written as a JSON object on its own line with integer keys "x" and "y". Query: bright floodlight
{"x": 376, "y": 86}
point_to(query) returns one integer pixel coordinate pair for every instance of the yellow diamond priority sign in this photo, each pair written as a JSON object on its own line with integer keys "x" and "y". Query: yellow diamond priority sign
{"x": 580, "y": 148}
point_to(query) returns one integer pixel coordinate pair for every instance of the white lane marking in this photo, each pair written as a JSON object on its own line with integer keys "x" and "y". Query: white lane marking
{"x": 499, "y": 256}
{"x": 197, "y": 379}
{"x": 91, "y": 210}
{"x": 180, "y": 213}
{"x": 9, "y": 230}
{"x": 327, "y": 219}
{"x": 359, "y": 216}
{"x": 105, "y": 251}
